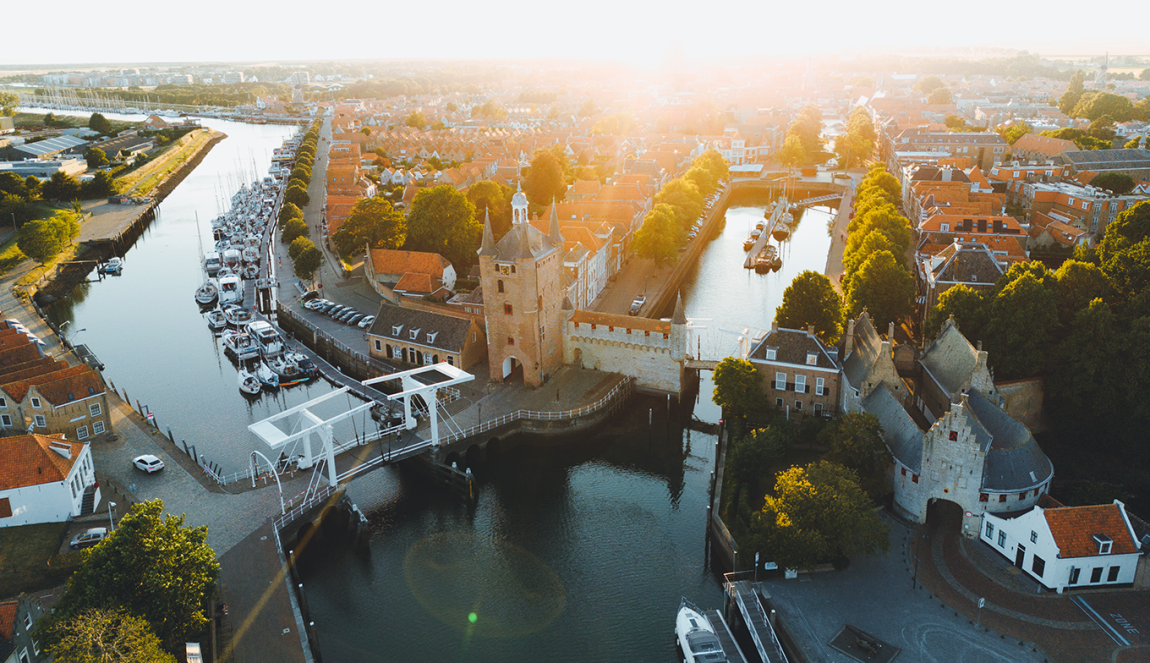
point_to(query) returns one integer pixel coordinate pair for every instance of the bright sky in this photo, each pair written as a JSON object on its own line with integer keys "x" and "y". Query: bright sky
{"x": 76, "y": 31}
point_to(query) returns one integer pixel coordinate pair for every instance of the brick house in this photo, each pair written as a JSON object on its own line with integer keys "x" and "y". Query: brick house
{"x": 800, "y": 373}
{"x": 423, "y": 338}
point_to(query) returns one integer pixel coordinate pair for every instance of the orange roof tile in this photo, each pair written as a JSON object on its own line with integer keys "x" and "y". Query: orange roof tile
{"x": 8, "y": 619}
{"x": 390, "y": 261}
{"x": 621, "y": 321}
{"x": 74, "y": 387}
{"x": 30, "y": 461}
{"x": 18, "y": 389}
{"x": 413, "y": 282}
{"x": 1074, "y": 527}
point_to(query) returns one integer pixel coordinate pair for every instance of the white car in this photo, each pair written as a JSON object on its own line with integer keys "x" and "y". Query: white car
{"x": 89, "y": 538}
{"x": 148, "y": 463}
{"x": 366, "y": 322}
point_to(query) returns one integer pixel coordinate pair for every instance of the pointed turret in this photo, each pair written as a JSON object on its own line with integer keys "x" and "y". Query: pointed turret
{"x": 553, "y": 233}
{"x": 488, "y": 246}
{"x": 524, "y": 249}
{"x": 679, "y": 318}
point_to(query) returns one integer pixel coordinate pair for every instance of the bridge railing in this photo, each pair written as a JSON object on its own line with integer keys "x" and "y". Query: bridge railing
{"x": 298, "y": 510}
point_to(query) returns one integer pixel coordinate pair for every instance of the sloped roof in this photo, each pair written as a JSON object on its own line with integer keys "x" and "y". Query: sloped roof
{"x": 71, "y": 387}
{"x": 1014, "y": 461}
{"x": 412, "y": 282}
{"x": 513, "y": 247}
{"x": 389, "y": 261}
{"x": 1074, "y": 527}
{"x": 865, "y": 353}
{"x": 450, "y": 333}
{"x": 8, "y": 619}
{"x": 30, "y": 461}
{"x": 901, "y": 433}
{"x": 950, "y": 358}
{"x": 1047, "y": 145}
{"x": 967, "y": 263}
{"x": 18, "y": 389}
{"x": 51, "y": 145}
{"x": 792, "y": 347}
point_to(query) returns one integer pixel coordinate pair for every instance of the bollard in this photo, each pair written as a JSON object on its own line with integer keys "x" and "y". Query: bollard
{"x": 171, "y": 438}
{"x": 138, "y": 407}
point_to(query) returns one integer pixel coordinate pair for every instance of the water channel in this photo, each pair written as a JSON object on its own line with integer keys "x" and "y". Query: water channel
{"x": 578, "y": 549}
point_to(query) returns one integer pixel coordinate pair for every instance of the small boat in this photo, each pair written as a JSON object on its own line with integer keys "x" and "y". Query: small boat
{"x": 217, "y": 320}
{"x": 768, "y": 260}
{"x": 249, "y": 384}
{"x": 251, "y": 271}
{"x": 288, "y": 371}
{"x": 212, "y": 263}
{"x": 240, "y": 345}
{"x": 251, "y": 254}
{"x": 267, "y": 377}
{"x": 781, "y": 232}
{"x": 113, "y": 266}
{"x": 237, "y": 316}
{"x": 755, "y": 233}
{"x": 306, "y": 365}
{"x": 207, "y": 294}
{"x": 231, "y": 290}
{"x": 696, "y": 636}
{"x": 748, "y": 244}
{"x": 266, "y": 337}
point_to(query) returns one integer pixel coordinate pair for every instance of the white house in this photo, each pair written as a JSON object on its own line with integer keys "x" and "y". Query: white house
{"x": 1067, "y": 547}
{"x": 44, "y": 479}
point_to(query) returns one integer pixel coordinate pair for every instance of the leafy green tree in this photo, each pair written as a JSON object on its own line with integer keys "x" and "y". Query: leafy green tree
{"x": 1130, "y": 227}
{"x": 863, "y": 81}
{"x": 442, "y": 221}
{"x": 930, "y": 84}
{"x": 968, "y": 306}
{"x": 1084, "y": 382}
{"x": 738, "y": 387}
{"x": 13, "y": 184}
{"x": 1119, "y": 183}
{"x": 100, "y": 123}
{"x": 939, "y": 97}
{"x": 704, "y": 180}
{"x": 1034, "y": 268}
{"x": 95, "y": 157}
{"x": 1145, "y": 75}
{"x": 791, "y": 153}
{"x": 885, "y": 219}
{"x": 817, "y": 514}
{"x": 100, "y": 186}
{"x": 1135, "y": 378}
{"x": 683, "y": 196}
{"x": 1074, "y": 90}
{"x": 42, "y": 240}
{"x": 752, "y": 455}
{"x": 298, "y": 246}
{"x": 855, "y": 441}
{"x": 416, "y": 120}
{"x": 811, "y": 299}
{"x": 290, "y": 211}
{"x": 373, "y": 223}
{"x": 1021, "y": 329}
{"x": 107, "y": 636}
{"x": 62, "y": 187}
{"x": 660, "y": 236}
{"x": 715, "y": 163}
{"x": 292, "y": 229}
{"x": 297, "y": 195}
{"x": 152, "y": 567}
{"x": 852, "y": 150}
{"x": 8, "y": 104}
{"x": 883, "y": 287}
{"x": 1129, "y": 270}
{"x": 545, "y": 180}
{"x": 1015, "y": 131}
{"x": 1093, "y": 105}
{"x": 1133, "y": 143}
{"x": 1079, "y": 283}
{"x": 307, "y": 263}
{"x": 879, "y": 178}
{"x": 492, "y": 200}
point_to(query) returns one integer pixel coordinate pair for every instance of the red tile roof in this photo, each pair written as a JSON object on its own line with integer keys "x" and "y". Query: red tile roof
{"x": 30, "y": 461}
{"x": 8, "y": 619}
{"x": 1074, "y": 527}
{"x": 389, "y": 261}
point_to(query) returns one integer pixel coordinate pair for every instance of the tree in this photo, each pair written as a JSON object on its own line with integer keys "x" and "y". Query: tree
{"x": 715, "y": 163}
{"x": 885, "y": 219}
{"x": 1128, "y": 229}
{"x": 1020, "y": 331}
{"x": 967, "y": 306}
{"x": 1118, "y": 183}
{"x": 297, "y": 246}
{"x": 62, "y": 187}
{"x": 852, "y": 150}
{"x": 307, "y": 263}
{"x": 297, "y": 195}
{"x": 492, "y": 200}
{"x": 930, "y": 84}
{"x": 100, "y": 186}
{"x": 939, "y": 97}
{"x": 883, "y": 287}
{"x": 791, "y": 153}
{"x": 373, "y": 223}
{"x": 1133, "y": 143}
{"x": 856, "y": 441}
{"x": 1145, "y": 75}
{"x": 1084, "y": 382}
{"x": 95, "y": 157}
{"x": 704, "y": 180}
{"x": 8, "y": 104}
{"x": 42, "y": 239}
{"x": 13, "y": 184}
{"x": 1093, "y": 105}
{"x": 1078, "y": 284}
{"x": 879, "y": 178}
{"x": 817, "y": 514}
{"x": 863, "y": 81}
{"x": 738, "y": 387}
{"x": 1073, "y": 93}
{"x": 100, "y": 123}
{"x": 752, "y": 455}
{"x": 660, "y": 236}
{"x": 416, "y": 120}
{"x": 442, "y": 221}
{"x": 811, "y": 299}
{"x": 107, "y": 636}
{"x": 289, "y": 211}
{"x": 1013, "y": 132}
{"x": 684, "y": 198}
{"x": 293, "y": 229}
{"x": 151, "y": 566}
{"x": 545, "y": 181}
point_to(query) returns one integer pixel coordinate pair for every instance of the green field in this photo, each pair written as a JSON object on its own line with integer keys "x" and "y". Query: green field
{"x": 25, "y": 553}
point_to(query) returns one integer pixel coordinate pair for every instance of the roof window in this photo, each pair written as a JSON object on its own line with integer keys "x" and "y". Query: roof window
{"x": 396, "y": 329}
{"x": 812, "y": 359}
{"x": 415, "y": 333}
{"x": 772, "y": 353}
{"x": 1104, "y": 543}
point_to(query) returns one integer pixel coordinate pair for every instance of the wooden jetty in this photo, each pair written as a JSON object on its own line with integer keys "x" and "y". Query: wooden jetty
{"x": 726, "y": 638}
{"x": 769, "y": 228}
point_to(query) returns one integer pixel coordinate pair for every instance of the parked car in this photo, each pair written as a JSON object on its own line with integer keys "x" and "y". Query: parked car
{"x": 148, "y": 463}
{"x": 637, "y": 304}
{"x": 316, "y": 304}
{"x": 89, "y": 538}
{"x": 346, "y": 315}
{"x": 336, "y": 310}
{"x": 366, "y": 322}
{"x": 308, "y": 296}
{"x": 325, "y": 307}
{"x": 353, "y": 320}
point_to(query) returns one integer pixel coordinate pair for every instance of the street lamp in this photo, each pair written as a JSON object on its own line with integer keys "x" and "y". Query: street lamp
{"x": 111, "y": 524}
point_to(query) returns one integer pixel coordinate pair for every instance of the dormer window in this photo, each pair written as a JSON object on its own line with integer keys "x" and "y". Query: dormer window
{"x": 772, "y": 354}
{"x": 415, "y": 333}
{"x": 1104, "y": 543}
{"x": 812, "y": 359}
{"x": 396, "y": 329}
{"x": 431, "y": 337}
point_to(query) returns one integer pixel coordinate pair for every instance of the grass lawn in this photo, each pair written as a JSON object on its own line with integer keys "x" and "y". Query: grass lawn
{"x": 10, "y": 255}
{"x": 24, "y": 555}
{"x": 143, "y": 180}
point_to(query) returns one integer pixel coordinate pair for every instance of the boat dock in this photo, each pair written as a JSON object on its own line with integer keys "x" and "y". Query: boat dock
{"x": 743, "y": 599}
{"x": 768, "y": 228}
{"x": 111, "y": 221}
{"x": 726, "y": 638}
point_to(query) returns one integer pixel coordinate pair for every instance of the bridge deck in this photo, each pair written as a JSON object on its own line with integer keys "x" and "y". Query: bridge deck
{"x": 762, "y": 633}
{"x": 726, "y": 638}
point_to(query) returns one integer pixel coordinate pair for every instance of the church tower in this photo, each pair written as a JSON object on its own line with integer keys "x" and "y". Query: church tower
{"x": 522, "y": 279}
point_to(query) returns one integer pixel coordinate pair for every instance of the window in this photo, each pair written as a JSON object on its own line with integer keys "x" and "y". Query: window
{"x": 983, "y": 497}
{"x": 914, "y": 478}
{"x": 499, "y": 285}
{"x": 1033, "y": 536}
{"x": 510, "y": 340}
{"x": 5, "y": 508}
{"x": 5, "y": 420}
{"x": 379, "y": 345}
{"x": 1074, "y": 573}
{"x": 1022, "y": 495}
{"x": 27, "y": 620}
{"x": 800, "y": 384}
{"x": 778, "y": 402}
{"x": 989, "y": 530}
{"x": 772, "y": 354}
{"x": 1112, "y": 576}
{"x": 818, "y": 409}
{"x": 3, "y": 402}
{"x": 450, "y": 360}
{"x": 781, "y": 381}
{"x": 1002, "y": 498}
{"x": 820, "y": 386}
{"x": 944, "y": 227}
{"x": 94, "y": 409}
{"x": 97, "y": 427}
{"x": 1096, "y": 574}
{"x": 1104, "y": 543}
{"x": 798, "y": 405}
{"x": 812, "y": 359}
{"x": 82, "y": 433}
{"x": 35, "y": 402}
{"x": 1001, "y": 539}
{"x": 1038, "y": 565}
{"x": 953, "y": 436}
{"x": 508, "y": 309}
{"x": 903, "y": 470}
{"x": 24, "y": 655}
{"x": 41, "y": 422}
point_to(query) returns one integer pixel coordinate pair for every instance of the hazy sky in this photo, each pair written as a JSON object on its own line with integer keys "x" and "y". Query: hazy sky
{"x": 636, "y": 32}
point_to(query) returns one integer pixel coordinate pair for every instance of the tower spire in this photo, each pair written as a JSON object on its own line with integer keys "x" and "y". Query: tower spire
{"x": 553, "y": 233}
{"x": 679, "y": 318}
{"x": 488, "y": 247}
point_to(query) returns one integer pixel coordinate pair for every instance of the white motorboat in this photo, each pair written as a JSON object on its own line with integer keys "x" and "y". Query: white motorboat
{"x": 267, "y": 338}
{"x": 207, "y": 293}
{"x": 249, "y": 383}
{"x": 232, "y": 258}
{"x": 212, "y": 263}
{"x": 250, "y": 255}
{"x": 113, "y": 266}
{"x": 288, "y": 370}
{"x": 237, "y": 316}
{"x": 231, "y": 290}
{"x": 251, "y": 271}
{"x": 240, "y": 345}
{"x": 217, "y": 320}
{"x": 696, "y": 636}
{"x": 267, "y": 377}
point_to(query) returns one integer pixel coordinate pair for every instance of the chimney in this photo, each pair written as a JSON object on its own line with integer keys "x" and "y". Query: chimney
{"x": 890, "y": 332}
{"x": 849, "y": 338}
{"x": 774, "y": 325}
{"x": 980, "y": 346}
{"x": 811, "y": 330}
